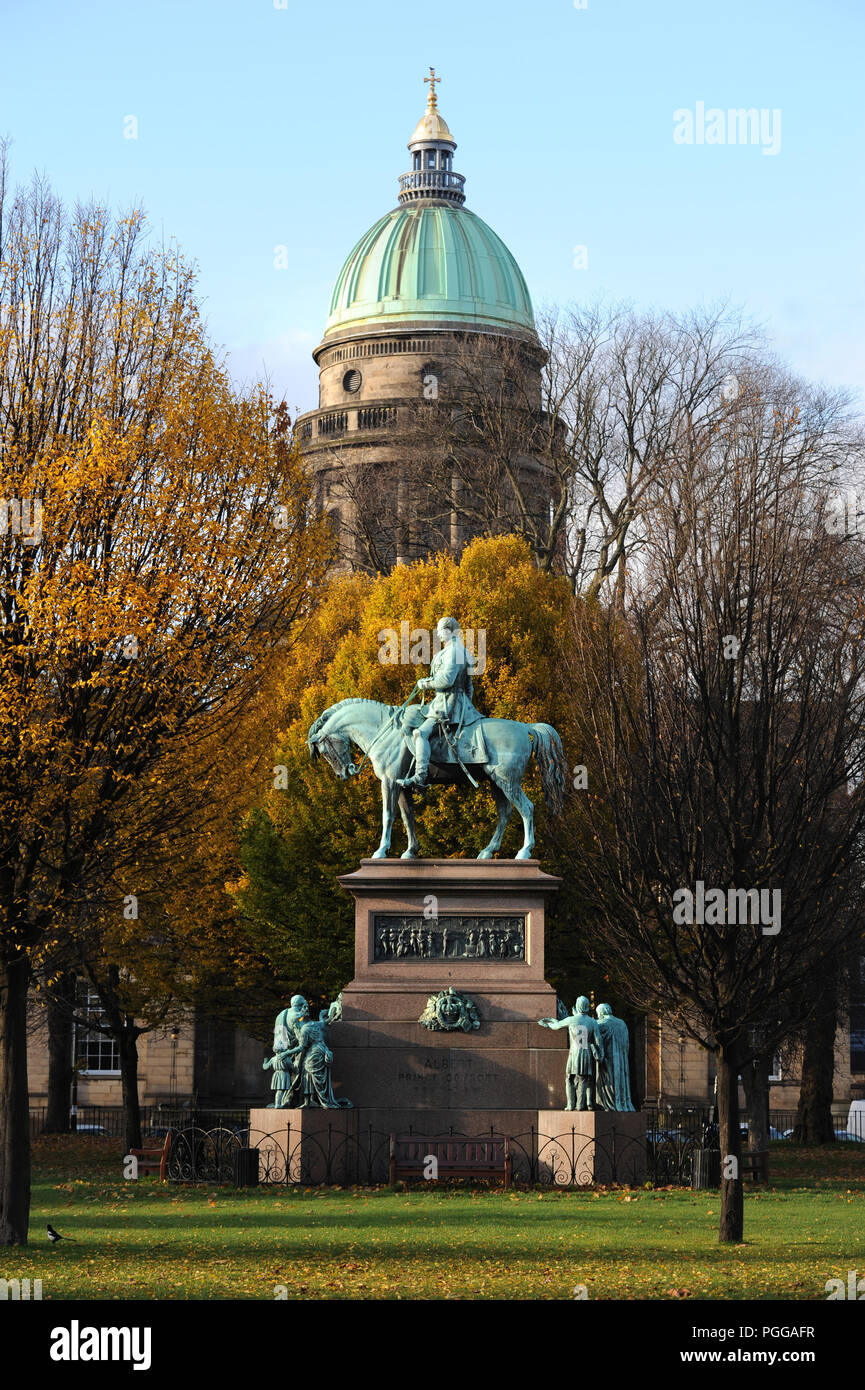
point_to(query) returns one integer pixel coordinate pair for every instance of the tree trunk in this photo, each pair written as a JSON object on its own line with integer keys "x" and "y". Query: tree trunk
{"x": 128, "y": 1041}
{"x": 14, "y": 1101}
{"x": 755, "y": 1081}
{"x": 732, "y": 1213}
{"x": 814, "y": 1122}
{"x": 60, "y": 1061}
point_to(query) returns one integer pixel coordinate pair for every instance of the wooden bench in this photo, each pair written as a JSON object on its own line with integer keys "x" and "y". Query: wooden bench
{"x": 455, "y": 1157}
{"x": 756, "y": 1166}
{"x": 151, "y": 1159}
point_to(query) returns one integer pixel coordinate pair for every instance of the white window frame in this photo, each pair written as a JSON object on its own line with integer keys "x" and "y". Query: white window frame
{"x": 90, "y": 1001}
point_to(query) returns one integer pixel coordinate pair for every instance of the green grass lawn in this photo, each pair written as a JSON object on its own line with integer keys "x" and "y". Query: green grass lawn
{"x": 166, "y": 1241}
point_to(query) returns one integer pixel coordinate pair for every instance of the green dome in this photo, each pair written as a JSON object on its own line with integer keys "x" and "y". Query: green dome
{"x": 429, "y": 261}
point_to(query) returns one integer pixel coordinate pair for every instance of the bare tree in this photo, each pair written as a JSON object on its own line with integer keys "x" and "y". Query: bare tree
{"x": 567, "y": 446}
{"x": 724, "y": 726}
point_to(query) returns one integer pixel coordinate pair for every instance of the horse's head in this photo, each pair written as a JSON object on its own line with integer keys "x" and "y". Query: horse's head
{"x": 336, "y": 749}
{"x": 333, "y": 744}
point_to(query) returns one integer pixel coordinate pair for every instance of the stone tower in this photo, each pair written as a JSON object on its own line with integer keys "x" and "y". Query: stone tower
{"x": 429, "y": 300}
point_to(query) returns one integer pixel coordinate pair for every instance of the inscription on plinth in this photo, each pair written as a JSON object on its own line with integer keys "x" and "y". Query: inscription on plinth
{"x": 445, "y": 1071}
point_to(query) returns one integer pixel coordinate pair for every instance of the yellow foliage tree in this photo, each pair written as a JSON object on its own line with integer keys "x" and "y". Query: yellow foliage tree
{"x": 157, "y": 548}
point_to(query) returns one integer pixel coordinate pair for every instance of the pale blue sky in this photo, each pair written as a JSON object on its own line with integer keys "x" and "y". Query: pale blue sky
{"x": 261, "y": 127}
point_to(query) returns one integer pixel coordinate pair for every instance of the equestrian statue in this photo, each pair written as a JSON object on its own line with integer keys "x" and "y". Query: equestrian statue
{"x": 445, "y": 742}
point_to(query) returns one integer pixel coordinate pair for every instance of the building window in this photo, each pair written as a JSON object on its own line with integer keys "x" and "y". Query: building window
{"x": 95, "y": 1052}
{"x": 352, "y": 380}
{"x": 775, "y": 1073}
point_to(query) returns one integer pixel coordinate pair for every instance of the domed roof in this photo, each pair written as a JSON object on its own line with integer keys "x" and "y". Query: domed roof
{"x": 430, "y": 261}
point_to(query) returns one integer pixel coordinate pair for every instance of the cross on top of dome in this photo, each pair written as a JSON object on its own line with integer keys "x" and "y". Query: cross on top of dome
{"x": 432, "y": 147}
{"x": 432, "y": 80}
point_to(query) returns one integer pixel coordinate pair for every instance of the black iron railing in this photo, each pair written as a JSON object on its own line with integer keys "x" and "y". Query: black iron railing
{"x": 566, "y": 1159}
{"x": 108, "y": 1120}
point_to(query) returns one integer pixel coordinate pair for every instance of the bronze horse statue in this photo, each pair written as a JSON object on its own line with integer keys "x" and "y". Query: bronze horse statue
{"x": 384, "y": 733}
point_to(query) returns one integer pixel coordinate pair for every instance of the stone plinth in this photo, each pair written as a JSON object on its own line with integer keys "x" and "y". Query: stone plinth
{"x": 583, "y": 1147}
{"x": 421, "y": 926}
{"x": 309, "y": 1145}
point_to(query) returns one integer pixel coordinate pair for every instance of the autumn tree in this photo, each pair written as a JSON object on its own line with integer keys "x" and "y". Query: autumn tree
{"x": 158, "y": 548}
{"x": 176, "y": 949}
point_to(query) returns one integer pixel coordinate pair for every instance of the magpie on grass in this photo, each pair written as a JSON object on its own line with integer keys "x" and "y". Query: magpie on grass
{"x": 54, "y": 1236}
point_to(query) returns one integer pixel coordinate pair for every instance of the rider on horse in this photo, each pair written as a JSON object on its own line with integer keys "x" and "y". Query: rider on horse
{"x": 451, "y": 678}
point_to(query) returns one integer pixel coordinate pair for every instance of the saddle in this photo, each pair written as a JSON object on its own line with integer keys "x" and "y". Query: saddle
{"x": 469, "y": 745}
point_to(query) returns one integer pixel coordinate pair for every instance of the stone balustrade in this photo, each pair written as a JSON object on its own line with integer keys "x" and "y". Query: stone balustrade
{"x": 337, "y": 422}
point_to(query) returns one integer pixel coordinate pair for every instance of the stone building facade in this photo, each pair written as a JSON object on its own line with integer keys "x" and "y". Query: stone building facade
{"x": 199, "y": 1061}
{"x": 676, "y": 1072}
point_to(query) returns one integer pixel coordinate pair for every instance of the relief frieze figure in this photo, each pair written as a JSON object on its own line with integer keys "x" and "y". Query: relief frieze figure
{"x": 449, "y": 938}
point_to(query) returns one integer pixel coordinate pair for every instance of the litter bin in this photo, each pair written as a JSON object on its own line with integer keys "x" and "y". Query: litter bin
{"x": 706, "y": 1168}
{"x": 245, "y": 1163}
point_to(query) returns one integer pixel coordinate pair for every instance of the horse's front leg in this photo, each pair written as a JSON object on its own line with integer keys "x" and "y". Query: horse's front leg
{"x": 388, "y": 810}
{"x": 406, "y": 810}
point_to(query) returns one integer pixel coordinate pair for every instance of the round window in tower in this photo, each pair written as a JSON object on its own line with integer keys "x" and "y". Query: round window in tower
{"x": 351, "y": 381}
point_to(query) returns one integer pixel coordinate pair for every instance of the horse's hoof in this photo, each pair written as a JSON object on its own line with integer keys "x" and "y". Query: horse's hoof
{"x": 485, "y": 854}
{"x": 380, "y": 854}
{"x": 525, "y": 853}
{"x": 408, "y": 854}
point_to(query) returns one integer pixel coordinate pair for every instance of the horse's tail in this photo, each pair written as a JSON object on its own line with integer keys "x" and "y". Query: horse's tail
{"x": 551, "y": 762}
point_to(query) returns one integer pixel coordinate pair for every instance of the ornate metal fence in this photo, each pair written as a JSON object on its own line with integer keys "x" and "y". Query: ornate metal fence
{"x": 569, "y": 1159}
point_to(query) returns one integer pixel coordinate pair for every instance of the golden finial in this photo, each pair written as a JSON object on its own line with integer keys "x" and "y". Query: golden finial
{"x": 432, "y": 80}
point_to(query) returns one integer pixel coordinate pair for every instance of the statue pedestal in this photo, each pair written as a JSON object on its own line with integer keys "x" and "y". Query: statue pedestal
{"x": 305, "y": 1146}
{"x": 424, "y": 925}
{"x": 583, "y": 1147}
